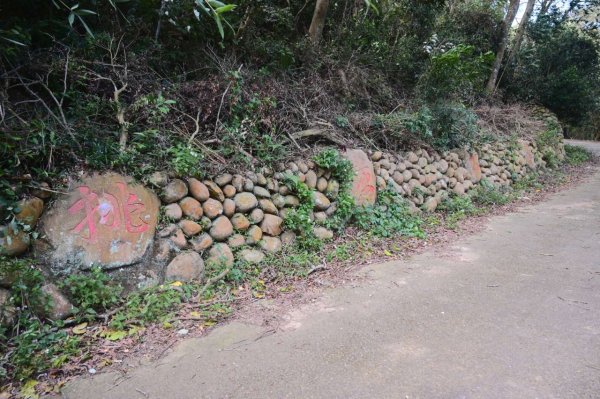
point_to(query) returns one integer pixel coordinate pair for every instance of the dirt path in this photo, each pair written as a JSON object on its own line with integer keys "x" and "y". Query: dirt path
{"x": 511, "y": 312}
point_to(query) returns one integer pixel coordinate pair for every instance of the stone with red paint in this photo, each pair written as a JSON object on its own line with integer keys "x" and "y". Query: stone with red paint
{"x": 472, "y": 166}
{"x": 104, "y": 220}
{"x": 364, "y": 185}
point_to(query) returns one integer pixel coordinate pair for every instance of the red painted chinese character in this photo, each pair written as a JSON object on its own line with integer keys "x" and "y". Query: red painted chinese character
{"x": 88, "y": 204}
{"x": 110, "y": 209}
{"x": 132, "y": 205}
{"x": 364, "y": 183}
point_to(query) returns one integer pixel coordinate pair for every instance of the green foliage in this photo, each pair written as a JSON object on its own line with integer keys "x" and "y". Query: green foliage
{"x": 341, "y": 168}
{"x": 443, "y": 125}
{"x": 528, "y": 182}
{"x": 342, "y": 171}
{"x": 457, "y": 203}
{"x": 389, "y": 217}
{"x": 458, "y": 73}
{"x": 576, "y": 155}
{"x": 92, "y": 293}
{"x": 246, "y": 128}
{"x": 549, "y": 143}
{"x": 148, "y": 305}
{"x": 293, "y": 261}
{"x": 26, "y": 288}
{"x": 37, "y": 347}
{"x": 344, "y": 211}
{"x": 486, "y": 194}
{"x": 455, "y": 126}
{"x": 32, "y": 345}
{"x": 559, "y": 67}
{"x": 457, "y": 208}
{"x": 185, "y": 160}
{"x": 299, "y": 219}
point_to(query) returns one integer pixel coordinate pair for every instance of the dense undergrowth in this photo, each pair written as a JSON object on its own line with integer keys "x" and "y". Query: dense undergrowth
{"x": 36, "y": 346}
{"x": 197, "y": 87}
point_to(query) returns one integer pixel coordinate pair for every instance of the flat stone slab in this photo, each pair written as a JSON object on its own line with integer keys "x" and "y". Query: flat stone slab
{"x": 364, "y": 185}
{"x": 104, "y": 220}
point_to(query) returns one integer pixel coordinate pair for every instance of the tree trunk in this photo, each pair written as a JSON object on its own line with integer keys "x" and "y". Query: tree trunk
{"x": 522, "y": 27}
{"x": 318, "y": 21}
{"x": 513, "y": 8}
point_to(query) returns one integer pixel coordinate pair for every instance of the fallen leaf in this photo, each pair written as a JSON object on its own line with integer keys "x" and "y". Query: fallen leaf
{"x": 195, "y": 314}
{"x": 176, "y": 284}
{"x": 387, "y": 253}
{"x": 80, "y": 329}
{"x": 135, "y": 330}
{"x": 28, "y": 390}
{"x": 113, "y": 335}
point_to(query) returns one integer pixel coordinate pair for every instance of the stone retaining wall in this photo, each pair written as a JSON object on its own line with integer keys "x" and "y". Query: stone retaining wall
{"x": 110, "y": 221}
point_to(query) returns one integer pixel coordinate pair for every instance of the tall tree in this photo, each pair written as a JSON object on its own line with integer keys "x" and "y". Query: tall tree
{"x": 318, "y": 21}
{"x": 511, "y": 13}
{"x": 522, "y": 26}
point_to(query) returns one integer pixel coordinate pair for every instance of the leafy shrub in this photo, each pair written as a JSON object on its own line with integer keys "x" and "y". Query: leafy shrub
{"x": 185, "y": 160}
{"x": 486, "y": 194}
{"x": 457, "y": 203}
{"x": 444, "y": 125}
{"x": 549, "y": 142}
{"x": 92, "y": 293}
{"x": 457, "y": 74}
{"x": 390, "y": 216}
{"x": 299, "y": 219}
{"x": 576, "y": 155}
{"x": 457, "y": 208}
{"x": 342, "y": 171}
{"x": 528, "y": 182}
{"x": 418, "y": 124}
{"x": 454, "y": 126}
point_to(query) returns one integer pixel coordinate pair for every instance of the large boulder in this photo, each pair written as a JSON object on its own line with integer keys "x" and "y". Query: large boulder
{"x": 104, "y": 220}
{"x": 364, "y": 185}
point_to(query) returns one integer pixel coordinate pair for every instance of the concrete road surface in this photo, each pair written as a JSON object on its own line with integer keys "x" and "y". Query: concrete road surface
{"x": 511, "y": 312}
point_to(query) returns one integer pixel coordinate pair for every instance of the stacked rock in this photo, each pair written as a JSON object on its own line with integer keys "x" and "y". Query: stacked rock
{"x": 426, "y": 178}
{"x": 324, "y": 187}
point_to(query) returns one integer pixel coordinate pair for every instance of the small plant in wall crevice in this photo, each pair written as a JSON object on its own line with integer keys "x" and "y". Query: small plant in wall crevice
{"x": 342, "y": 171}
